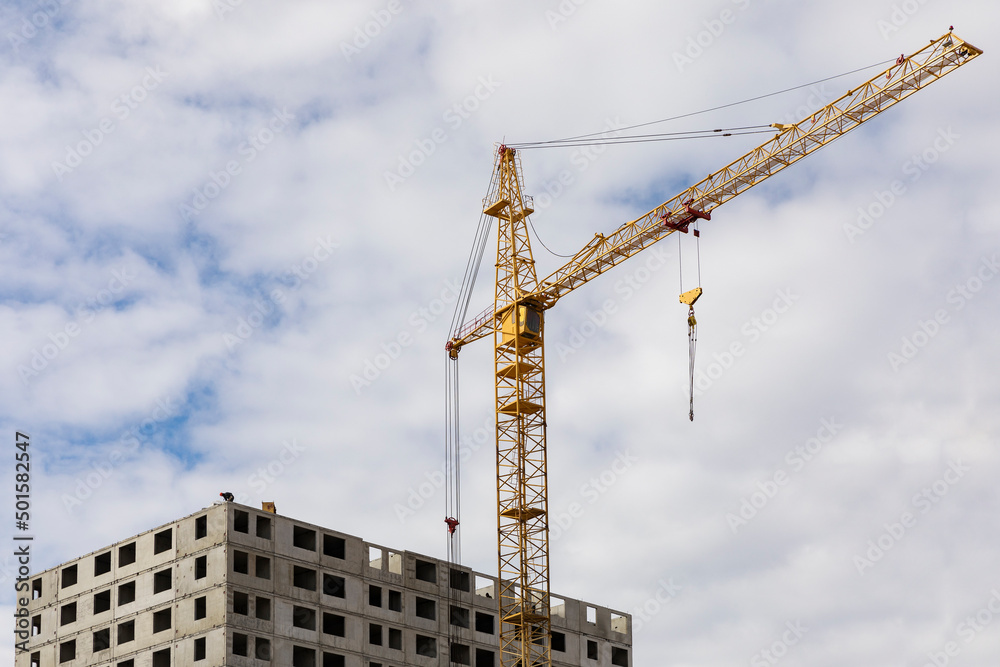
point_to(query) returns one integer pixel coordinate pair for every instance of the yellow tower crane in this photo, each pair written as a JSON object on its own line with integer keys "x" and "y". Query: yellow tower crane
{"x": 516, "y": 320}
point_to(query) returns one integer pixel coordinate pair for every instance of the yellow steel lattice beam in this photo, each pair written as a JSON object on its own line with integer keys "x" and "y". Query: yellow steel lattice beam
{"x": 522, "y": 496}
{"x": 792, "y": 142}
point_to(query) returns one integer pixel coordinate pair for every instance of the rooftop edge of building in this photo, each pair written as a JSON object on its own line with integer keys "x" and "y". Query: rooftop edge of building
{"x": 368, "y": 559}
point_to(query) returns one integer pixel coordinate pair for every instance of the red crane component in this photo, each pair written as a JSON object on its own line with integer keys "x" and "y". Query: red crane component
{"x": 690, "y": 215}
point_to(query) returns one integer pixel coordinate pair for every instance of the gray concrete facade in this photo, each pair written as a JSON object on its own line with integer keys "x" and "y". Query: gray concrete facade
{"x": 237, "y": 586}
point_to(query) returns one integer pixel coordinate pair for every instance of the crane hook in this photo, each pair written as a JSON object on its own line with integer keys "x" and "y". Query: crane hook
{"x": 689, "y": 298}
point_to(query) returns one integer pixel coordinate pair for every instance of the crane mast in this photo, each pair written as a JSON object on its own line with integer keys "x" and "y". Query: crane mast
{"x": 516, "y": 320}
{"x": 522, "y": 496}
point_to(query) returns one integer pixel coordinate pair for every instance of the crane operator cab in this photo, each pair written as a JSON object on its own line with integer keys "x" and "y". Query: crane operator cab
{"x": 527, "y": 325}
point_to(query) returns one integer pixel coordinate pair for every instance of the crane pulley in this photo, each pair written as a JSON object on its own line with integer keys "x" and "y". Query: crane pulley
{"x": 516, "y": 319}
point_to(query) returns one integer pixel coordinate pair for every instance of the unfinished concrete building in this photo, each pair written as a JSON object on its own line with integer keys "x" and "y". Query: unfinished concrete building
{"x": 234, "y": 585}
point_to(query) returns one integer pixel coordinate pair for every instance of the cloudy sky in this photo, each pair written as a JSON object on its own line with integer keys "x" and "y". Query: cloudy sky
{"x": 231, "y": 233}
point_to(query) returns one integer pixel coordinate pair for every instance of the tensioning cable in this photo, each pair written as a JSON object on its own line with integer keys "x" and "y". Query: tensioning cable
{"x": 565, "y": 142}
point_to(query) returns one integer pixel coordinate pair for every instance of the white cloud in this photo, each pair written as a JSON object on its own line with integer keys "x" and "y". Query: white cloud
{"x": 391, "y": 251}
